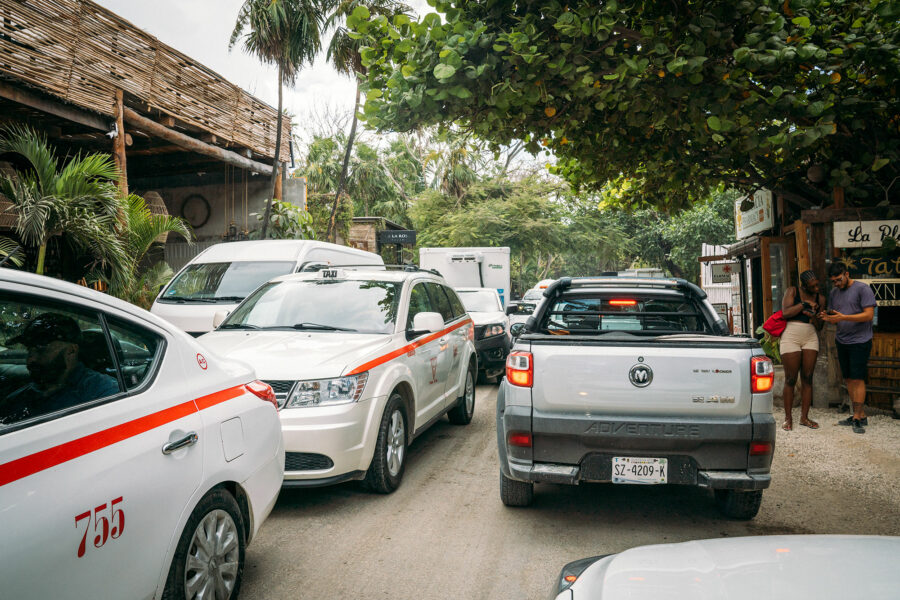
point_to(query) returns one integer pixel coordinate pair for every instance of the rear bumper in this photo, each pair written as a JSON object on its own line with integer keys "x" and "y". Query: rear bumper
{"x": 571, "y": 449}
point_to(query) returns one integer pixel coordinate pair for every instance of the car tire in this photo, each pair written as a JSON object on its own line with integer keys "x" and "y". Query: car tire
{"x": 386, "y": 471}
{"x": 217, "y": 523}
{"x": 461, "y": 414}
{"x": 739, "y": 504}
{"x": 515, "y": 493}
{"x": 483, "y": 378}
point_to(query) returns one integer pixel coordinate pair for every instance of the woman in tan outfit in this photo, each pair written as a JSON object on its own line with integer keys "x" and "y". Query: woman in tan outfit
{"x": 800, "y": 345}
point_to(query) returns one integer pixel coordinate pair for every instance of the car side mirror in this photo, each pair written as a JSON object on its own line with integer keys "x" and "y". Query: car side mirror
{"x": 516, "y": 329}
{"x": 425, "y": 322}
{"x": 219, "y": 317}
{"x": 512, "y": 308}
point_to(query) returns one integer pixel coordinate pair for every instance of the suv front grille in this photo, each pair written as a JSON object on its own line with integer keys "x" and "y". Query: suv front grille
{"x": 306, "y": 461}
{"x": 281, "y": 389}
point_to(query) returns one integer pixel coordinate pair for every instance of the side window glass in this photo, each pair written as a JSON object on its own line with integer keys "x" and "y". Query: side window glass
{"x": 455, "y": 303}
{"x": 136, "y": 350}
{"x": 53, "y": 357}
{"x": 440, "y": 301}
{"x": 418, "y": 302}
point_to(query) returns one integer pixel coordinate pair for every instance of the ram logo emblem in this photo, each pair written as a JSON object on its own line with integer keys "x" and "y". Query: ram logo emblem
{"x": 640, "y": 375}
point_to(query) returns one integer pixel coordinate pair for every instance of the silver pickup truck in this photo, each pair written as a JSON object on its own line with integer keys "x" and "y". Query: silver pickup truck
{"x": 634, "y": 381}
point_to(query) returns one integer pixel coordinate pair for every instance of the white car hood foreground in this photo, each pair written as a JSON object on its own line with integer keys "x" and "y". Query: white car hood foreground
{"x": 289, "y": 355}
{"x": 487, "y": 318}
{"x": 785, "y": 567}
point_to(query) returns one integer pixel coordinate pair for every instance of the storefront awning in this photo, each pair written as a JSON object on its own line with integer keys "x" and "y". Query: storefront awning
{"x": 744, "y": 248}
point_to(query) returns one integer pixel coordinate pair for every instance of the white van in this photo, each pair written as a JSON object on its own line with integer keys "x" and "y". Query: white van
{"x": 221, "y": 276}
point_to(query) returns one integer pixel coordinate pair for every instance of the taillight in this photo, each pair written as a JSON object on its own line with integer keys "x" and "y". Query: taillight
{"x": 520, "y": 439}
{"x": 760, "y": 448}
{"x": 520, "y": 369}
{"x": 264, "y": 391}
{"x": 762, "y": 374}
{"x": 622, "y": 302}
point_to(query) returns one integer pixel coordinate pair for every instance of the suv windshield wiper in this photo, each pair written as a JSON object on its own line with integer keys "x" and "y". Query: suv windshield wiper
{"x": 318, "y": 327}
{"x": 237, "y": 326}
{"x": 228, "y": 298}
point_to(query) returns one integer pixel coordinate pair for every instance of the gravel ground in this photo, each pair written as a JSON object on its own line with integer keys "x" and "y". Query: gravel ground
{"x": 816, "y": 463}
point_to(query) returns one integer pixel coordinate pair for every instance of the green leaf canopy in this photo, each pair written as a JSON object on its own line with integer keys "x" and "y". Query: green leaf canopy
{"x": 675, "y": 96}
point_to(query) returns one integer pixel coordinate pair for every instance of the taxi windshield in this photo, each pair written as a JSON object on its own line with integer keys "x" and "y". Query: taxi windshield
{"x": 479, "y": 300}
{"x": 359, "y": 306}
{"x": 224, "y": 281}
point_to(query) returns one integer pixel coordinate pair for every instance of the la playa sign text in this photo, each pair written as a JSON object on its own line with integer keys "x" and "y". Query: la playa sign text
{"x": 864, "y": 234}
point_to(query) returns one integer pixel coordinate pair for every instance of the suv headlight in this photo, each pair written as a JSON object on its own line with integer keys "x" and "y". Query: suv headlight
{"x": 327, "y": 392}
{"x": 492, "y": 330}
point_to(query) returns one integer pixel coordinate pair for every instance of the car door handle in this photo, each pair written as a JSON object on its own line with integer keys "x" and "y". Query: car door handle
{"x": 443, "y": 340}
{"x": 188, "y": 440}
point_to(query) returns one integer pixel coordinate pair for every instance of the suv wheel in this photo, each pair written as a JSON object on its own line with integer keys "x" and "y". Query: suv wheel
{"x": 738, "y": 504}
{"x": 515, "y": 493}
{"x": 461, "y": 414}
{"x": 386, "y": 471}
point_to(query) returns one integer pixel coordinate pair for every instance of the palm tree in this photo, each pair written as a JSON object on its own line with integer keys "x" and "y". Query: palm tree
{"x": 285, "y": 33}
{"x": 344, "y": 54}
{"x": 80, "y": 200}
{"x": 138, "y": 232}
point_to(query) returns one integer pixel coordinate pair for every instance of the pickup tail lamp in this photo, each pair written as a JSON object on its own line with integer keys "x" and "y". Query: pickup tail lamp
{"x": 760, "y": 448}
{"x": 263, "y": 391}
{"x": 519, "y": 439}
{"x": 520, "y": 369}
{"x": 762, "y": 374}
{"x": 622, "y": 302}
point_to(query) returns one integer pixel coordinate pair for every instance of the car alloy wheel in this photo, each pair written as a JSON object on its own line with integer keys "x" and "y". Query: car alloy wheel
{"x": 396, "y": 446}
{"x": 212, "y": 560}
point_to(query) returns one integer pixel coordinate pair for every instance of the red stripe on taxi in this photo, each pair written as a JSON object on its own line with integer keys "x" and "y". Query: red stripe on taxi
{"x": 51, "y": 457}
{"x": 409, "y": 347}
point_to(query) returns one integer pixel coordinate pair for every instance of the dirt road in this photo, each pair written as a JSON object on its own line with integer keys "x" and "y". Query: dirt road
{"x": 444, "y": 534}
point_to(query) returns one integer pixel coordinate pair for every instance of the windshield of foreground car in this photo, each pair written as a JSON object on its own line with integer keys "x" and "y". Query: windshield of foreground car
{"x": 320, "y": 305}
{"x": 597, "y": 314}
{"x": 480, "y": 301}
{"x": 223, "y": 282}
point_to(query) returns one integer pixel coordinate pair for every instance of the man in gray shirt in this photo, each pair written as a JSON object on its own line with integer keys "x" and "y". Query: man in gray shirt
{"x": 852, "y": 308}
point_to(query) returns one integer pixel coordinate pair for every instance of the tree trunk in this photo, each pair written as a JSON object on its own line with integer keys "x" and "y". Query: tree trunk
{"x": 42, "y": 254}
{"x": 275, "y": 173}
{"x": 340, "y": 189}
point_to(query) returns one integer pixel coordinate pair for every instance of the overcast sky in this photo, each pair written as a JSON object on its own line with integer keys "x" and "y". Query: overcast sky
{"x": 201, "y": 29}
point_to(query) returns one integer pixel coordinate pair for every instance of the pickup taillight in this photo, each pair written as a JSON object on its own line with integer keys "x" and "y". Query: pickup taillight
{"x": 520, "y": 369}
{"x": 762, "y": 374}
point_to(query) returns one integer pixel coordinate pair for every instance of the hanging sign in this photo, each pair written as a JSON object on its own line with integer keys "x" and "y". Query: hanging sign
{"x": 721, "y": 272}
{"x": 864, "y": 267}
{"x": 397, "y": 236}
{"x": 758, "y": 216}
{"x": 864, "y": 234}
{"x": 887, "y": 291}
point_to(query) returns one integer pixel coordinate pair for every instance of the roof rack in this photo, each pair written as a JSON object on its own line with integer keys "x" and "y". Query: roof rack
{"x": 565, "y": 283}
{"x": 315, "y": 267}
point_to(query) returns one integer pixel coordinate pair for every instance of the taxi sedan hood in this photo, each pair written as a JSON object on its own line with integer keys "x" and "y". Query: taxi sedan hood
{"x": 296, "y": 355}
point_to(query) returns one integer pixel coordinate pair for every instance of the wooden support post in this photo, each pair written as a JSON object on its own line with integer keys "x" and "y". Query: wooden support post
{"x": 119, "y": 144}
{"x": 817, "y": 251}
{"x": 277, "y": 194}
{"x": 801, "y": 233}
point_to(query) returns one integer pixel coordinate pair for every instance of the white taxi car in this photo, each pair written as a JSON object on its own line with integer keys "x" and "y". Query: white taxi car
{"x": 362, "y": 361}
{"x": 133, "y": 463}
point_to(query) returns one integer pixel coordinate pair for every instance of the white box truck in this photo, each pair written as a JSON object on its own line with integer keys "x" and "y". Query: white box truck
{"x": 470, "y": 267}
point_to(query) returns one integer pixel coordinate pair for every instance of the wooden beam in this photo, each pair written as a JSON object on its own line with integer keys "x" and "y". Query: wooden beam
{"x": 209, "y": 138}
{"x": 128, "y": 140}
{"x": 193, "y": 144}
{"x": 168, "y": 149}
{"x": 801, "y": 233}
{"x": 52, "y": 107}
{"x": 832, "y": 214}
{"x": 119, "y": 144}
{"x": 167, "y": 121}
{"x": 712, "y": 258}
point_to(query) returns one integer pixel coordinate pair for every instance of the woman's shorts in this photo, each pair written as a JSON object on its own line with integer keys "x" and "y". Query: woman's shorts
{"x": 799, "y": 336}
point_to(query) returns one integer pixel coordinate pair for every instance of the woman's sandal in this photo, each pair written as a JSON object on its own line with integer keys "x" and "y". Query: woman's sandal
{"x": 787, "y": 426}
{"x": 809, "y": 423}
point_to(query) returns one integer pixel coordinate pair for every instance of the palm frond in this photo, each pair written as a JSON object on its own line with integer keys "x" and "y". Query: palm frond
{"x": 33, "y": 146}
{"x": 12, "y": 250}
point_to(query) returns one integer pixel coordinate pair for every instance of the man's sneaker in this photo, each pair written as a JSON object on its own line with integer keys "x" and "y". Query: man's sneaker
{"x": 858, "y": 426}
{"x": 849, "y": 421}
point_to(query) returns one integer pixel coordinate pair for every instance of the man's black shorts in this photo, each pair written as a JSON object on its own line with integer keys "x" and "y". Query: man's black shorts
{"x": 854, "y": 359}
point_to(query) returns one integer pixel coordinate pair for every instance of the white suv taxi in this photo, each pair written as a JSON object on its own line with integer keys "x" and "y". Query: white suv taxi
{"x": 133, "y": 463}
{"x": 362, "y": 361}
